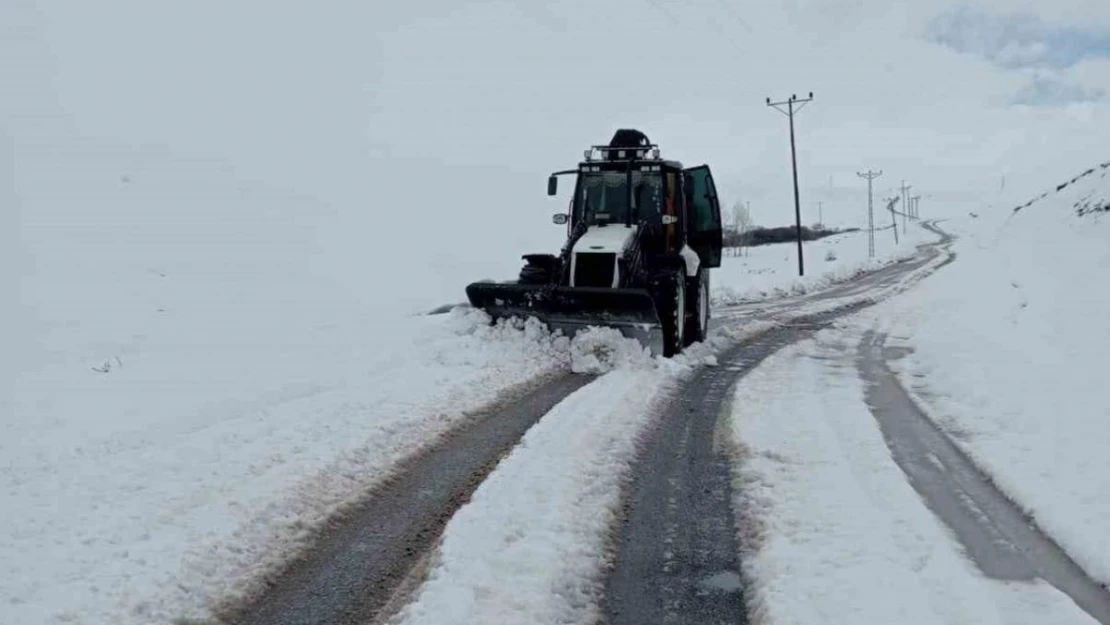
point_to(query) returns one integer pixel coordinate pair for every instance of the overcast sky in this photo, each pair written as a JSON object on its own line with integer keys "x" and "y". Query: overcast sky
{"x": 444, "y": 116}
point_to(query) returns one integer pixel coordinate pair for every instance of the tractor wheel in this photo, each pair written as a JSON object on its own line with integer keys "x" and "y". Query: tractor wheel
{"x": 697, "y": 321}
{"x": 539, "y": 269}
{"x": 672, "y": 312}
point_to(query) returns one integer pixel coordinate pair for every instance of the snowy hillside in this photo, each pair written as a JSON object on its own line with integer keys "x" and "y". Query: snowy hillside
{"x": 1010, "y": 354}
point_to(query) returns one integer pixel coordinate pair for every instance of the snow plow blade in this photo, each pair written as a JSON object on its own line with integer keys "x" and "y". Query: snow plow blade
{"x": 571, "y": 309}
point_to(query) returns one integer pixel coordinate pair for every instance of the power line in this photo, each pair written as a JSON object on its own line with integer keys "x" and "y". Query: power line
{"x": 789, "y": 112}
{"x": 729, "y": 9}
{"x": 665, "y": 11}
{"x": 721, "y": 31}
{"x": 716, "y": 25}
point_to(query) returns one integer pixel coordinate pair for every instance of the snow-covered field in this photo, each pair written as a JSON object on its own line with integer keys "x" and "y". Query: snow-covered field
{"x": 138, "y": 494}
{"x": 193, "y": 392}
{"x": 768, "y": 271}
{"x": 835, "y": 533}
{"x": 1010, "y": 356}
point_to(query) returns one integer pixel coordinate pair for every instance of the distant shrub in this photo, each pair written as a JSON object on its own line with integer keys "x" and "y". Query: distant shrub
{"x": 782, "y": 234}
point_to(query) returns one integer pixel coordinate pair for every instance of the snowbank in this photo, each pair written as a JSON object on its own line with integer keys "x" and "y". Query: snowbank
{"x": 1010, "y": 353}
{"x": 833, "y": 532}
{"x": 769, "y": 271}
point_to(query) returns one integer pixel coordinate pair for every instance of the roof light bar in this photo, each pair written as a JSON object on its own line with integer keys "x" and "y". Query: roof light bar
{"x": 619, "y": 154}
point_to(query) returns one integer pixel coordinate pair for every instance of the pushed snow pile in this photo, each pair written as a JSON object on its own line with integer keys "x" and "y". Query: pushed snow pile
{"x": 600, "y": 350}
{"x": 595, "y": 350}
{"x": 1010, "y": 355}
{"x": 526, "y": 338}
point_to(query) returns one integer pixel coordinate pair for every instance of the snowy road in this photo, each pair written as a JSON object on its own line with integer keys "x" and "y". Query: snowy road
{"x": 678, "y": 555}
{"x": 367, "y": 556}
{"x": 759, "y": 488}
{"x": 649, "y": 438}
{"x": 868, "y": 284}
{"x": 995, "y": 533}
{"x": 678, "y": 559}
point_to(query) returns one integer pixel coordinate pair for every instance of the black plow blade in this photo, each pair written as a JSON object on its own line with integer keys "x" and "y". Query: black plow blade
{"x": 571, "y": 309}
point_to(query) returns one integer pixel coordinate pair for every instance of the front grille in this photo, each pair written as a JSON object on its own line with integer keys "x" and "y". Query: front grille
{"x": 594, "y": 269}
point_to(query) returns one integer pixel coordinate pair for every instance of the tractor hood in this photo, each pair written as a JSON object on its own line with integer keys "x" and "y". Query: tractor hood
{"x": 602, "y": 239}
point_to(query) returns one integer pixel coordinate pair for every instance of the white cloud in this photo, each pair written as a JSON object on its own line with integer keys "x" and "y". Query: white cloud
{"x": 1023, "y": 40}
{"x": 1020, "y": 39}
{"x": 1052, "y": 91}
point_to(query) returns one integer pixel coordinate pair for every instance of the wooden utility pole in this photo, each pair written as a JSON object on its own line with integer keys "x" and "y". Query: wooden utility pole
{"x": 905, "y": 205}
{"x": 789, "y": 112}
{"x": 893, "y": 218}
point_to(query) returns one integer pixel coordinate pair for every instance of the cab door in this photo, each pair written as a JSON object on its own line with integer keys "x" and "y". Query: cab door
{"x": 704, "y": 231}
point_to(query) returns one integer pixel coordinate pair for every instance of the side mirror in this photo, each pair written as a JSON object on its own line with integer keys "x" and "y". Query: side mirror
{"x": 552, "y": 185}
{"x": 559, "y": 219}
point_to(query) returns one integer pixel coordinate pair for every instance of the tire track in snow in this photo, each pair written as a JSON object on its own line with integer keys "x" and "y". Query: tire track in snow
{"x": 996, "y": 534}
{"x": 365, "y": 558}
{"x": 677, "y": 548}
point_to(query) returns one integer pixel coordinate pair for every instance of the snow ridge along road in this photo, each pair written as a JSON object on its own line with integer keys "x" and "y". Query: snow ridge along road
{"x": 997, "y": 536}
{"x": 678, "y": 555}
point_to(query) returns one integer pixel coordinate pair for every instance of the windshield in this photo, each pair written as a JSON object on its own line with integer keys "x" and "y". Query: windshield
{"x": 603, "y": 196}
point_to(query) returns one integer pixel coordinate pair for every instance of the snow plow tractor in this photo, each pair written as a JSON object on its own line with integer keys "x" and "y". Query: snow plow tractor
{"x": 642, "y": 235}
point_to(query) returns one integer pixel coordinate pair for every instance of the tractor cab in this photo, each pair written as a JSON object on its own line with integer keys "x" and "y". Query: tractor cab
{"x": 627, "y": 183}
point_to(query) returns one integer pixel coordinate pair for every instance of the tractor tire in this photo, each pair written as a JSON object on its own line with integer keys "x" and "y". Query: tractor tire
{"x": 697, "y": 303}
{"x": 539, "y": 269}
{"x": 671, "y": 303}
